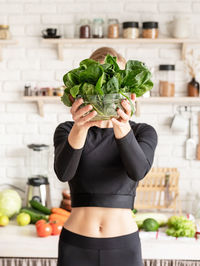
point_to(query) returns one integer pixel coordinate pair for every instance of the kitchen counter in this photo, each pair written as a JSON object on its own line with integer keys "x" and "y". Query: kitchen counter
{"x": 18, "y": 241}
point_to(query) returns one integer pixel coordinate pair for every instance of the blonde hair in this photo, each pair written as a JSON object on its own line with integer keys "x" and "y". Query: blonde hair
{"x": 100, "y": 54}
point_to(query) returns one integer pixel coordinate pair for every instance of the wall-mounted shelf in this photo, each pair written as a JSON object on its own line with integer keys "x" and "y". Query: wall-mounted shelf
{"x": 40, "y": 100}
{"x": 4, "y": 43}
{"x": 60, "y": 43}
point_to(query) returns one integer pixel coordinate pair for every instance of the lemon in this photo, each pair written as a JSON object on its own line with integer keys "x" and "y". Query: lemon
{"x": 23, "y": 219}
{"x": 4, "y": 220}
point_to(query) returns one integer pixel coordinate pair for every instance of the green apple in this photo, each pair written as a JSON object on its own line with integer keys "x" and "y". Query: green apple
{"x": 4, "y": 220}
{"x": 23, "y": 219}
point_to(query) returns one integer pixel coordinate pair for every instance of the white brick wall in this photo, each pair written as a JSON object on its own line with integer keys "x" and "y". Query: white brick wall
{"x": 33, "y": 61}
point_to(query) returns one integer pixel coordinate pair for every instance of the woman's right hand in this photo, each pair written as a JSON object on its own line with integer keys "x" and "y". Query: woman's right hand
{"x": 77, "y": 114}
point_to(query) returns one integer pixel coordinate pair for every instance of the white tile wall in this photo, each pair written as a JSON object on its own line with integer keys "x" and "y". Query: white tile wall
{"x": 33, "y": 61}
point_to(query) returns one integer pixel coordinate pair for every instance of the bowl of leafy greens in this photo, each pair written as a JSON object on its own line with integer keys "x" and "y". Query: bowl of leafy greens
{"x": 105, "y": 105}
{"x": 105, "y": 85}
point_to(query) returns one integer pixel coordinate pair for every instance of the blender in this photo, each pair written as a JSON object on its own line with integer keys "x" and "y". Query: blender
{"x": 37, "y": 186}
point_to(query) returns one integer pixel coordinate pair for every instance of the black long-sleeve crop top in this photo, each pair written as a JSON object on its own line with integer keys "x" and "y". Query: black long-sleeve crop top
{"x": 106, "y": 170}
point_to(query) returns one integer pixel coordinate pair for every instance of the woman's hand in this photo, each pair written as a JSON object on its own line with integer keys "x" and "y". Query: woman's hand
{"x": 78, "y": 114}
{"x": 121, "y": 125}
{"x": 124, "y": 115}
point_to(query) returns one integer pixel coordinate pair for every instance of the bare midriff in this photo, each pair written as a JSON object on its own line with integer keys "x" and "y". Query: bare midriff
{"x": 101, "y": 221}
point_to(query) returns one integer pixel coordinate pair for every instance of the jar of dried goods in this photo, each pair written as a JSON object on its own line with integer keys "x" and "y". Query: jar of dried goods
{"x": 150, "y": 29}
{"x": 85, "y": 28}
{"x": 4, "y": 32}
{"x": 113, "y": 28}
{"x": 167, "y": 80}
{"x": 97, "y": 28}
{"x": 130, "y": 29}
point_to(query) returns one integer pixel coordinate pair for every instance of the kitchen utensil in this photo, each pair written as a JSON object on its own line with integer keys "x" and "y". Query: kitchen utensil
{"x": 159, "y": 190}
{"x": 179, "y": 122}
{"x": 198, "y": 147}
{"x": 38, "y": 185}
{"x": 190, "y": 148}
{"x": 38, "y": 189}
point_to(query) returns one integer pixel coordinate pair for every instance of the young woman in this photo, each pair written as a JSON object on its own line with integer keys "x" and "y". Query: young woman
{"x": 103, "y": 162}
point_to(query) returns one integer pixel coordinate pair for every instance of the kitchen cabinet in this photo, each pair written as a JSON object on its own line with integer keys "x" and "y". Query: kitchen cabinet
{"x": 19, "y": 245}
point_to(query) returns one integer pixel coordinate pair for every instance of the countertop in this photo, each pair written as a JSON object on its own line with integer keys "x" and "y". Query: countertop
{"x": 22, "y": 241}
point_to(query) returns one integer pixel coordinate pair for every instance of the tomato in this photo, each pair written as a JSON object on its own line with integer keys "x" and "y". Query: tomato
{"x": 56, "y": 227}
{"x": 44, "y": 229}
{"x": 41, "y": 221}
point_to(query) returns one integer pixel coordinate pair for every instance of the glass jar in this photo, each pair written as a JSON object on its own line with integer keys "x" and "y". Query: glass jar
{"x": 193, "y": 88}
{"x": 113, "y": 28}
{"x": 4, "y": 32}
{"x": 166, "y": 82}
{"x": 130, "y": 29}
{"x": 150, "y": 29}
{"x": 85, "y": 28}
{"x": 97, "y": 28}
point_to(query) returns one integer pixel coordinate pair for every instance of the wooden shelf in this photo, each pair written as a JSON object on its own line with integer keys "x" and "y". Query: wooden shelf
{"x": 40, "y": 100}
{"x": 4, "y": 43}
{"x": 60, "y": 43}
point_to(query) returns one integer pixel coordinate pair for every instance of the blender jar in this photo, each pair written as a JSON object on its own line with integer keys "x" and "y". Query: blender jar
{"x": 38, "y": 160}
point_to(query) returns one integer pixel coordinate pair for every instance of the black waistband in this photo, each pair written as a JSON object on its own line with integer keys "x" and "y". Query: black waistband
{"x": 102, "y": 200}
{"x": 123, "y": 241}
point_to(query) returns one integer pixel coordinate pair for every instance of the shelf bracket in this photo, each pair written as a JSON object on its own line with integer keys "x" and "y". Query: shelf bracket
{"x": 60, "y": 51}
{"x": 40, "y": 105}
{"x": 137, "y": 106}
{"x": 183, "y": 51}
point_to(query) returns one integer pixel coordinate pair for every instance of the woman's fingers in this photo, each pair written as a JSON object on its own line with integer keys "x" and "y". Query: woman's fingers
{"x": 82, "y": 111}
{"x": 123, "y": 115}
{"x": 83, "y": 120}
{"x": 76, "y": 105}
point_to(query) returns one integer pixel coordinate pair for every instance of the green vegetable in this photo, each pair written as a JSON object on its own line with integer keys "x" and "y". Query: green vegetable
{"x": 150, "y": 224}
{"x": 34, "y": 214}
{"x": 159, "y": 217}
{"x": 10, "y": 202}
{"x": 38, "y": 206}
{"x": 94, "y": 81}
{"x": 180, "y": 226}
{"x": 134, "y": 211}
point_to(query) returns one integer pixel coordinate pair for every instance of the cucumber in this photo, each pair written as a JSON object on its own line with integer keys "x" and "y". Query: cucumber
{"x": 38, "y": 206}
{"x": 34, "y": 214}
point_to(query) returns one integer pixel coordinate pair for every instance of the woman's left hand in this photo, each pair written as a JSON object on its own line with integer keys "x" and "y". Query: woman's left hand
{"x": 124, "y": 115}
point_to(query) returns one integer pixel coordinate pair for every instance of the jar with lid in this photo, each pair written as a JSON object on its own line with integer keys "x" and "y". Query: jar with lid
{"x": 4, "y": 32}
{"x": 150, "y": 29}
{"x": 97, "y": 28}
{"x": 113, "y": 28}
{"x": 130, "y": 29}
{"x": 85, "y": 28}
{"x": 167, "y": 80}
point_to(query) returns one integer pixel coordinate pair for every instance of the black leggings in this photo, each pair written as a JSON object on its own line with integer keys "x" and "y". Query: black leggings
{"x": 79, "y": 250}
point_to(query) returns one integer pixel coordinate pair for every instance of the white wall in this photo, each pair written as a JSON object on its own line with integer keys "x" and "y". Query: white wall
{"x": 33, "y": 61}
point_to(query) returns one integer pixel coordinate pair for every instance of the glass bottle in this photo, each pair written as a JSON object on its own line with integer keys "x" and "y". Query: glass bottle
{"x": 85, "y": 28}
{"x": 193, "y": 88}
{"x": 113, "y": 28}
{"x": 97, "y": 28}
